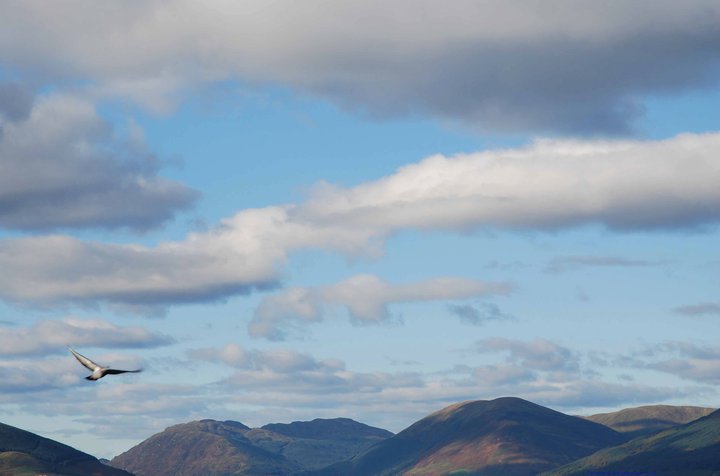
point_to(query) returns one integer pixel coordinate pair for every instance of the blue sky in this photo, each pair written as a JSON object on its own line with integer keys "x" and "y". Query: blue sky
{"x": 360, "y": 209}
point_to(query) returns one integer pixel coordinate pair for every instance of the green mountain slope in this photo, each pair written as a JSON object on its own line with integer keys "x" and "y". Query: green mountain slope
{"x": 692, "y": 449}
{"x": 25, "y": 453}
{"x": 506, "y": 436}
{"x": 649, "y": 419}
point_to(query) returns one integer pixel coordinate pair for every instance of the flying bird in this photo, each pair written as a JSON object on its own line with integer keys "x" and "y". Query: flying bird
{"x": 98, "y": 371}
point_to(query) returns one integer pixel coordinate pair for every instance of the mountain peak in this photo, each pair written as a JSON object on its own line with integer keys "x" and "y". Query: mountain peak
{"x": 505, "y": 436}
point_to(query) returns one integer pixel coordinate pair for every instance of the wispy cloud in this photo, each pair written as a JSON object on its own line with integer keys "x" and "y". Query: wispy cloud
{"x": 701, "y": 309}
{"x": 478, "y": 314}
{"x": 569, "y": 263}
{"x": 367, "y": 299}
{"x": 538, "y": 354}
{"x": 686, "y": 360}
{"x": 52, "y": 336}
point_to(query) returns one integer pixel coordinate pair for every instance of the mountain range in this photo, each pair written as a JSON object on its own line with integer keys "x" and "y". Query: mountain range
{"x": 214, "y": 448}
{"x": 506, "y": 436}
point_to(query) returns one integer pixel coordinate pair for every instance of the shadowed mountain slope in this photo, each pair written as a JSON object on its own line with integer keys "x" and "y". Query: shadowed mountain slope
{"x": 24, "y": 453}
{"x": 692, "y": 449}
{"x": 649, "y": 419}
{"x": 506, "y": 436}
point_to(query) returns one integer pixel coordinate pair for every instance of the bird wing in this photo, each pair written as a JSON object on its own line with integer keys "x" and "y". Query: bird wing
{"x": 116, "y": 371}
{"x": 85, "y": 361}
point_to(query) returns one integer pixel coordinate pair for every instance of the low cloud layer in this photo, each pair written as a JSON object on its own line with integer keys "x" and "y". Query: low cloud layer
{"x": 367, "y": 299}
{"x": 570, "y": 66}
{"x": 52, "y": 336}
{"x": 260, "y": 386}
{"x": 62, "y": 166}
{"x": 548, "y": 185}
{"x": 539, "y": 370}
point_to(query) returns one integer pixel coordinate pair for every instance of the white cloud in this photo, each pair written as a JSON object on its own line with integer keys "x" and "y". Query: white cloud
{"x": 366, "y": 298}
{"x": 51, "y": 336}
{"x": 546, "y": 185}
{"x": 627, "y": 185}
{"x": 558, "y": 65}
{"x": 244, "y": 253}
{"x": 62, "y": 166}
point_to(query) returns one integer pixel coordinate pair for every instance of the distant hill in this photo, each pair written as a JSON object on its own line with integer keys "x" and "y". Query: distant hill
{"x": 318, "y": 443}
{"x": 506, "y": 436}
{"x": 26, "y": 454}
{"x": 649, "y": 419}
{"x": 213, "y": 448}
{"x": 692, "y": 449}
{"x": 322, "y": 429}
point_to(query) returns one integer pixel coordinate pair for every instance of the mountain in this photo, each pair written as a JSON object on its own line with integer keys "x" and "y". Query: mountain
{"x": 506, "y": 436}
{"x": 318, "y": 443}
{"x": 213, "y": 448}
{"x": 205, "y": 447}
{"x": 692, "y": 449}
{"x": 649, "y": 419}
{"x": 23, "y": 453}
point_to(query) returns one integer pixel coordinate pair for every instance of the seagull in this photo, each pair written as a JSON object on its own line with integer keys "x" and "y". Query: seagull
{"x": 98, "y": 371}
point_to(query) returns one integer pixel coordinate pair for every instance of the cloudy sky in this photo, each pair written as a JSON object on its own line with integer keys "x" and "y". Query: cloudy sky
{"x": 288, "y": 210}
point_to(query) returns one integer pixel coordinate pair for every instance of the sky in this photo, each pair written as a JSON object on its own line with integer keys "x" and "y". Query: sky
{"x": 286, "y": 210}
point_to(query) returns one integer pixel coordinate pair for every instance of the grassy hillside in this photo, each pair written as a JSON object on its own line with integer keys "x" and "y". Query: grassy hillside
{"x": 25, "y": 453}
{"x": 692, "y": 449}
{"x": 649, "y": 419}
